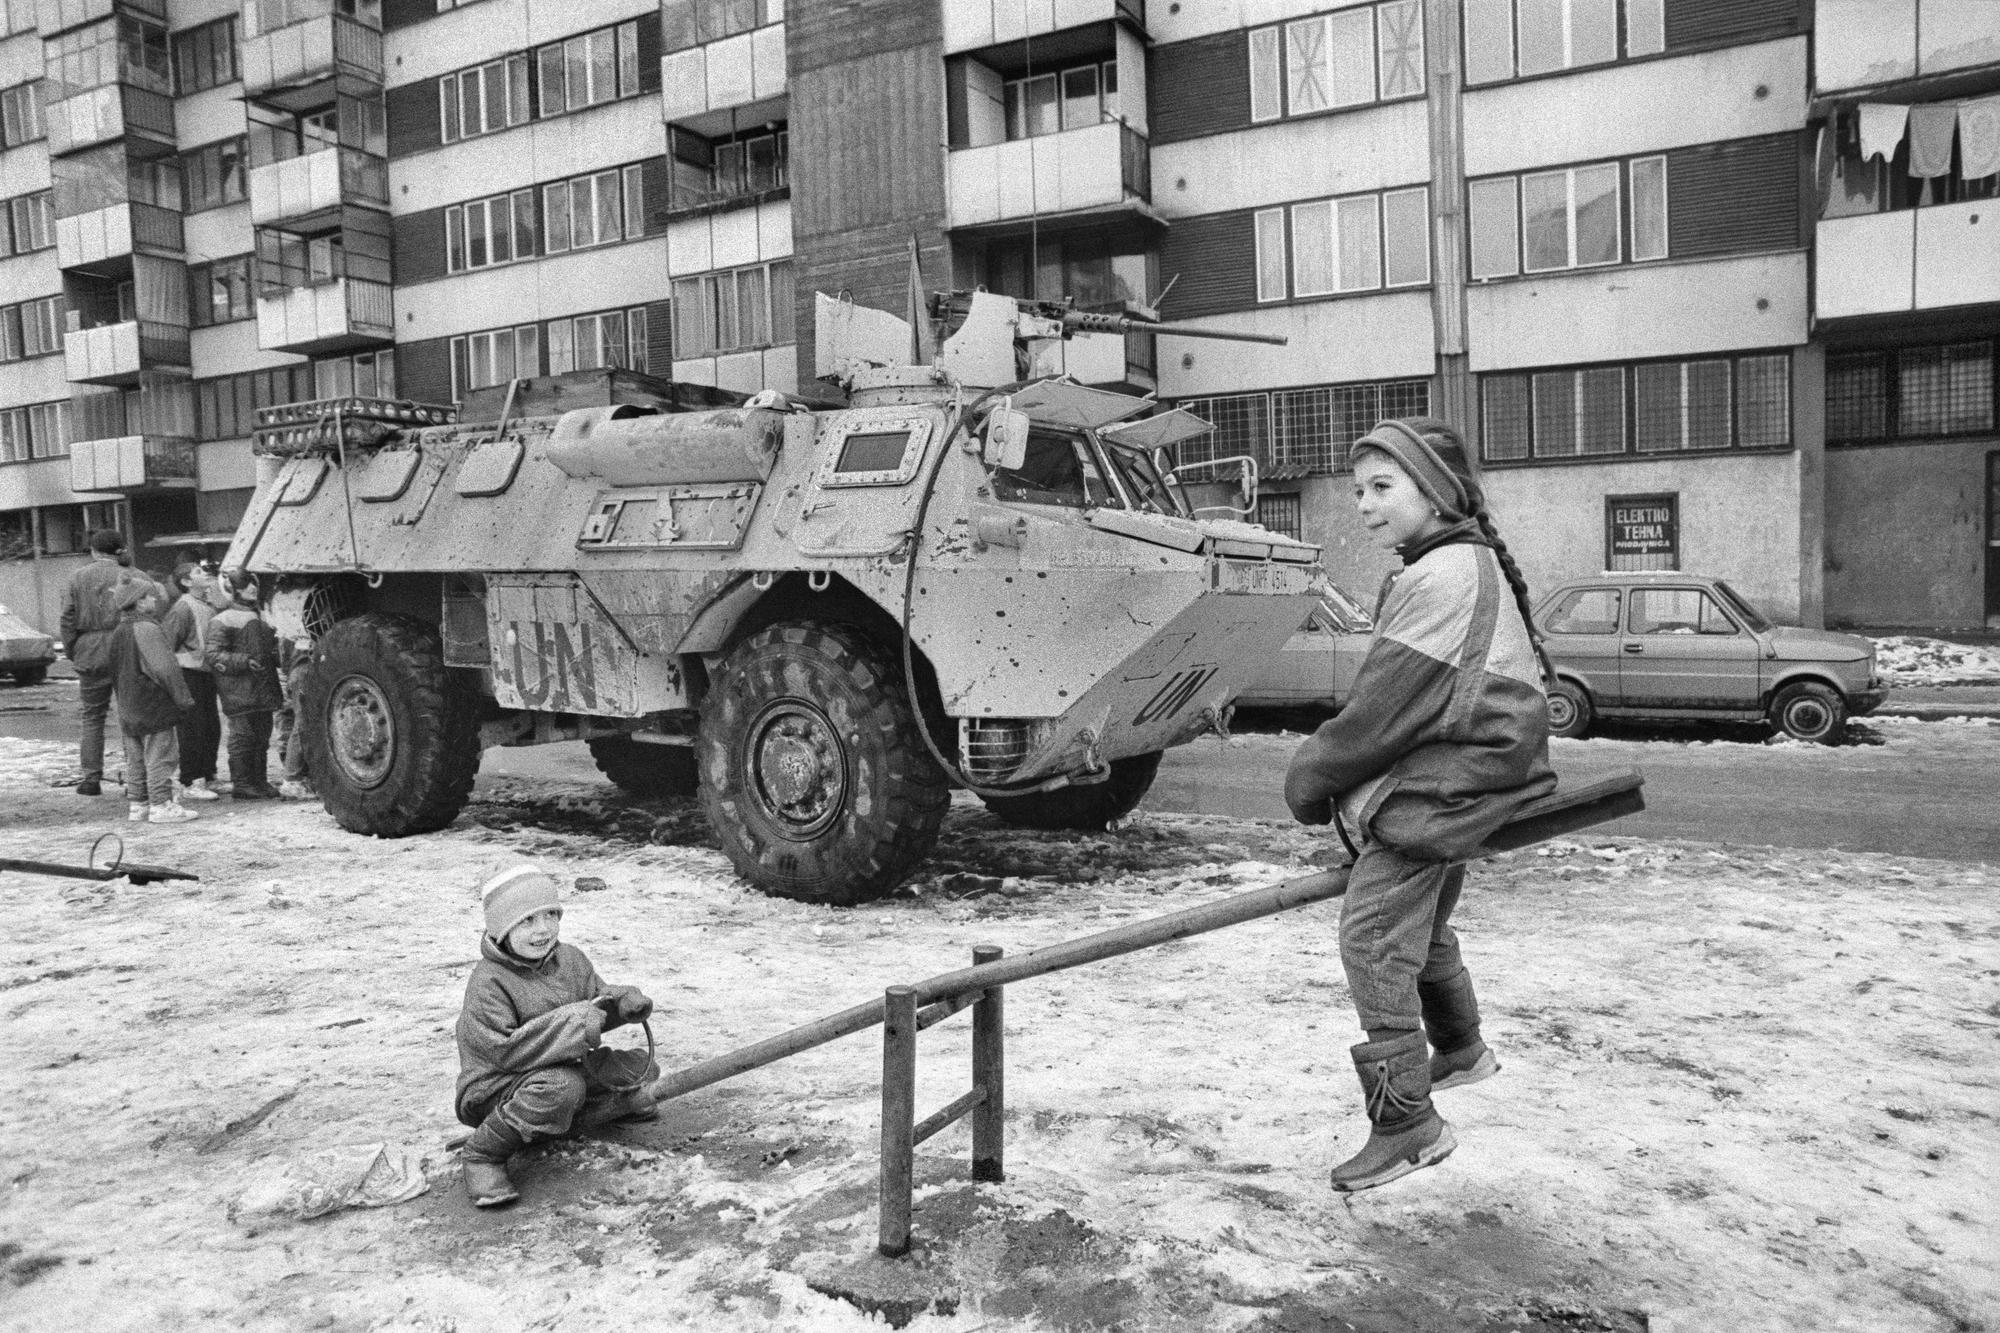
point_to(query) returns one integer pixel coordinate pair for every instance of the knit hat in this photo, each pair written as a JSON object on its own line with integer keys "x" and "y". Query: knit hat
{"x": 133, "y": 589}
{"x": 514, "y": 895}
{"x": 1413, "y": 453}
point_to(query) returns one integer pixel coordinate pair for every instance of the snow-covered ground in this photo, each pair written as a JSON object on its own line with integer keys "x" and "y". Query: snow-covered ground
{"x": 1907, "y": 659}
{"x": 1742, "y": 1089}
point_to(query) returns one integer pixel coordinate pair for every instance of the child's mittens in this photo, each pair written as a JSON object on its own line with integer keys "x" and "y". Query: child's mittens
{"x": 587, "y": 1017}
{"x": 1306, "y": 809}
{"x": 629, "y": 1003}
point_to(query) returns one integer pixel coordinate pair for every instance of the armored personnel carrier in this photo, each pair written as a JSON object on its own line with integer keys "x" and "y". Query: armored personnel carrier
{"x": 823, "y": 621}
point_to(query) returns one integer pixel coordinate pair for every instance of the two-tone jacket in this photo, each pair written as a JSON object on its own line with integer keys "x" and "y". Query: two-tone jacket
{"x": 186, "y": 626}
{"x": 145, "y": 679}
{"x": 521, "y": 1015}
{"x": 242, "y": 653}
{"x": 1447, "y": 733}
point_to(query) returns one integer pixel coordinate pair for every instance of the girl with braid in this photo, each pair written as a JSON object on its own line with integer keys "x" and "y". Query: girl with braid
{"x": 1446, "y": 738}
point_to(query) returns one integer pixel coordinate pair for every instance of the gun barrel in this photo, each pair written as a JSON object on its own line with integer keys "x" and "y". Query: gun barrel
{"x": 1090, "y": 321}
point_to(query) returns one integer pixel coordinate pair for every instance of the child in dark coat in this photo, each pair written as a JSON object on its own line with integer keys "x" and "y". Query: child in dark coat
{"x": 146, "y": 682}
{"x": 530, "y": 1061}
{"x": 242, "y": 655}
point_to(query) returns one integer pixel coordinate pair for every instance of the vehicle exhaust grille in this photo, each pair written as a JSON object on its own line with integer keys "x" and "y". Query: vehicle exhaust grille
{"x": 993, "y": 747}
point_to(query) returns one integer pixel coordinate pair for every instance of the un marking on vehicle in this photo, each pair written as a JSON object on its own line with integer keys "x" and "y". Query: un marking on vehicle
{"x": 1173, "y": 696}
{"x": 563, "y": 674}
{"x": 1256, "y": 576}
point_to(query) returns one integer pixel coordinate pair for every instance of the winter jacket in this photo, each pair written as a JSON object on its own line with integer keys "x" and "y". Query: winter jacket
{"x": 1447, "y": 734}
{"x": 145, "y": 679}
{"x": 242, "y": 653}
{"x": 89, "y": 614}
{"x": 522, "y": 1015}
{"x": 186, "y": 626}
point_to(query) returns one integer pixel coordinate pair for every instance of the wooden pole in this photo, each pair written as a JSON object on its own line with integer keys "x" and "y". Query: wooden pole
{"x": 899, "y": 1111}
{"x": 989, "y": 1075}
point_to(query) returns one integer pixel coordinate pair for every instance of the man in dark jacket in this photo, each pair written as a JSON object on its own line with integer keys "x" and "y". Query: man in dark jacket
{"x": 242, "y": 655}
{"x": 89, "y": 615}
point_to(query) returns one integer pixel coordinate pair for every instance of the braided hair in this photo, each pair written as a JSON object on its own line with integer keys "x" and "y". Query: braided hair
{"x": 1449, "y": 446}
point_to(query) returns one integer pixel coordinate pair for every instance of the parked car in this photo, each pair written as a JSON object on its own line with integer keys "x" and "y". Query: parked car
{"x": 1681, "y": 646}
{"x": 1317, "y": 665}
{"x": 25, "y": 652}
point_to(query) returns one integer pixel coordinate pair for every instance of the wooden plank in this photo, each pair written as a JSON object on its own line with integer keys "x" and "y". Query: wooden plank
{"x": 944, "y": 1118}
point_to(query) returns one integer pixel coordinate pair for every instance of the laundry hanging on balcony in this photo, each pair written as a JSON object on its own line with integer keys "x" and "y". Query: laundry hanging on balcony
{"x": 1882, "y": 125}
{"x": 1979, "y": 137}
{"x": 1931, "y": 129}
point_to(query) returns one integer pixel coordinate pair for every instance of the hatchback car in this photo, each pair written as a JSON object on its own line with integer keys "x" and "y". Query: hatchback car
{"x": 25, "y": 652}
{"x": 1317, "y": 665}
{"x": 1680, "y": 646}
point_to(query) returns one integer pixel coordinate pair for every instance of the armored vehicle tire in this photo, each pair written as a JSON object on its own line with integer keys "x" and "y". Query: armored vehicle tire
{"x": 392, "y": 739}
{"x": 1811, "y": 712}
{"x": 813, "y": 774}
{"x": 1091, "y": 806}
{"x": 1569, "y": 710}
{"x": 33, "y": 675}
{"x": 643, "y": 769}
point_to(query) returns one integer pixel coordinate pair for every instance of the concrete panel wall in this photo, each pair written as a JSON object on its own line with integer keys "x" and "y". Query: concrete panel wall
{"x": 1905, "y": 534}
{"x": 1739, "y": 520}
{"x": 33, "y": 589}
{"x": 631, "y": 273}
{"x": 1167, "y": 25}
{"x": 1357, "y": 338}
{"x": 547, "y": 150}
{"x": 1368, "y": 149}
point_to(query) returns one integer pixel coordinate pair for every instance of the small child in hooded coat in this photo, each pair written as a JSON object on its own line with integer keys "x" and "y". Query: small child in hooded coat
{"x": 531, "y": 1065}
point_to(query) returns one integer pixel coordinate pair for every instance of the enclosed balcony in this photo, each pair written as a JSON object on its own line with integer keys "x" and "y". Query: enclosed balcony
{"x": 125, "y": 325}
{"x": 971, "y": 24}
{"x": 305, "y": 167}
{"x": 298, "y": 54}
{"x": 111, "y": 204}
{"x": 133, "y": 440}
{"x": 55, "y": 16}
{"x": 1868, "y": 44}
{"x": 1915, "y": 259}
{"x": 1102, "y": 169}
{"x": 327, "y": 291}
{"x": 743, "y": 72}
{"x": 109, "y": 80}
{"x": 713, "y": 174}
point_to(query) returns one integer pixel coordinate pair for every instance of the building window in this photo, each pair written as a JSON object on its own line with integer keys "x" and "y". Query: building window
{"x": 16, "y": 16}
{"x": 588, "y": 69}
{"x": 41, "y": 430}
{"x": 1067, "y": 99}
{"x": 215, "y": 174}
{"x": 1338, "y": 246}
{"x": 592, "y": 210}
{"x": 1300, "y": 432}
{"x": 1654, "y": 407}
{"x": 28, "y": 223}
{"x": 21, "y": 115}
{"x": 710, "y": 172}
{"x": 1507, "y": 39}
{"x": 32, "y": 328}
{"x": 1331, "y": 62}
{"x": 484, "y": 99}
{"x": 612, "y": 338}
{"x": 687, "y": 23}
{"x": 225, "y": 408}
{"x": 362, "y": 375}
{"x": 489, "y": 231}
{"x": 205, "y": 57}
{"x": 734, "y": 310}
{"x": 1909, "y": 393}
{"x": 1280, "y": 513}
{"x": 495, "y": 357}
{"x": 1572, "y": 217}
{"x": 220, "y": 292}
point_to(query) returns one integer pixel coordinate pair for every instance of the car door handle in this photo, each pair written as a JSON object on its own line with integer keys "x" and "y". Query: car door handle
{"x": 1635, "y": 648}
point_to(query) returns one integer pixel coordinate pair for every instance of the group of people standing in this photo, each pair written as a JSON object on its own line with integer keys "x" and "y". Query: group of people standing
{"x": 176, "y": 662}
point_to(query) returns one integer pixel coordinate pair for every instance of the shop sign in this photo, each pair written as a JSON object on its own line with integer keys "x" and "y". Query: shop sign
{"x": 1642, "y": 531}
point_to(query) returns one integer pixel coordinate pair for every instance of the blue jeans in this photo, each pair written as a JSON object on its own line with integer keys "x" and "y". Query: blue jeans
{"x": 1395, "y": 930}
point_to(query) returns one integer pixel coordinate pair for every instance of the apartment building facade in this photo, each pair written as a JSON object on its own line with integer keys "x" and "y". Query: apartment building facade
{"x": 1633, "y": 245}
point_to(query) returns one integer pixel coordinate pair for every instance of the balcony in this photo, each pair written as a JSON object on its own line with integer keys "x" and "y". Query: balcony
{"x": 305, "y": 63}
{"x": 1914, "y": 259}
{"x": 1869, "y": 43}
{"x": 109, "y": 234}
{"x": 734, "y": 73}
{"x": 972, "y": 24}
{"x": 54, "y": 16}
{"x": 1098, "y": 169}
{"x": 110, "y": 113}
{"x": 119, "y": 354}
{"x": 132, "y": 463}
{"x": 305, "y": 191}
{"x": 338, "y": 315}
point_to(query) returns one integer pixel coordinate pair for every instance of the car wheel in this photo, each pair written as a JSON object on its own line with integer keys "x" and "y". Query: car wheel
{"x": 1810, "y": 711}
{"x": 645, "y": 770}
{"x": 814, "y": 776}
{"x": 1569, "y": 710}
{"x": 1087, "y": 807}
{"x": 391, "y": 735}
{"x": 33, "y": 675}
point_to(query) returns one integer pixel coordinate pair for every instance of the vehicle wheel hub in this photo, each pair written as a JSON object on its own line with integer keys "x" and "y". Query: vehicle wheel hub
{"x": 361, "y": 732}
{"x": 1809, "y": 716}
{"x": 800, "y": 768}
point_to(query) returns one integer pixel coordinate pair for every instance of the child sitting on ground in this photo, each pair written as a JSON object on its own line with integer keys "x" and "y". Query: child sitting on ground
{"x": 530, "y": 1063}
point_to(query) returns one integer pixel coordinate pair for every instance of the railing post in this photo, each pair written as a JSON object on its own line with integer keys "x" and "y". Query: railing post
{"x": 989, "y": 1071}
{"x": 899, "y": 1113}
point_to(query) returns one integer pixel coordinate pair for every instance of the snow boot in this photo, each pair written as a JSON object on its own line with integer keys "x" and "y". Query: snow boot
{"x": 484, "y": 1158}
{"x": 1451, "y": 1018}
{"x": 1405, "y": 1131}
